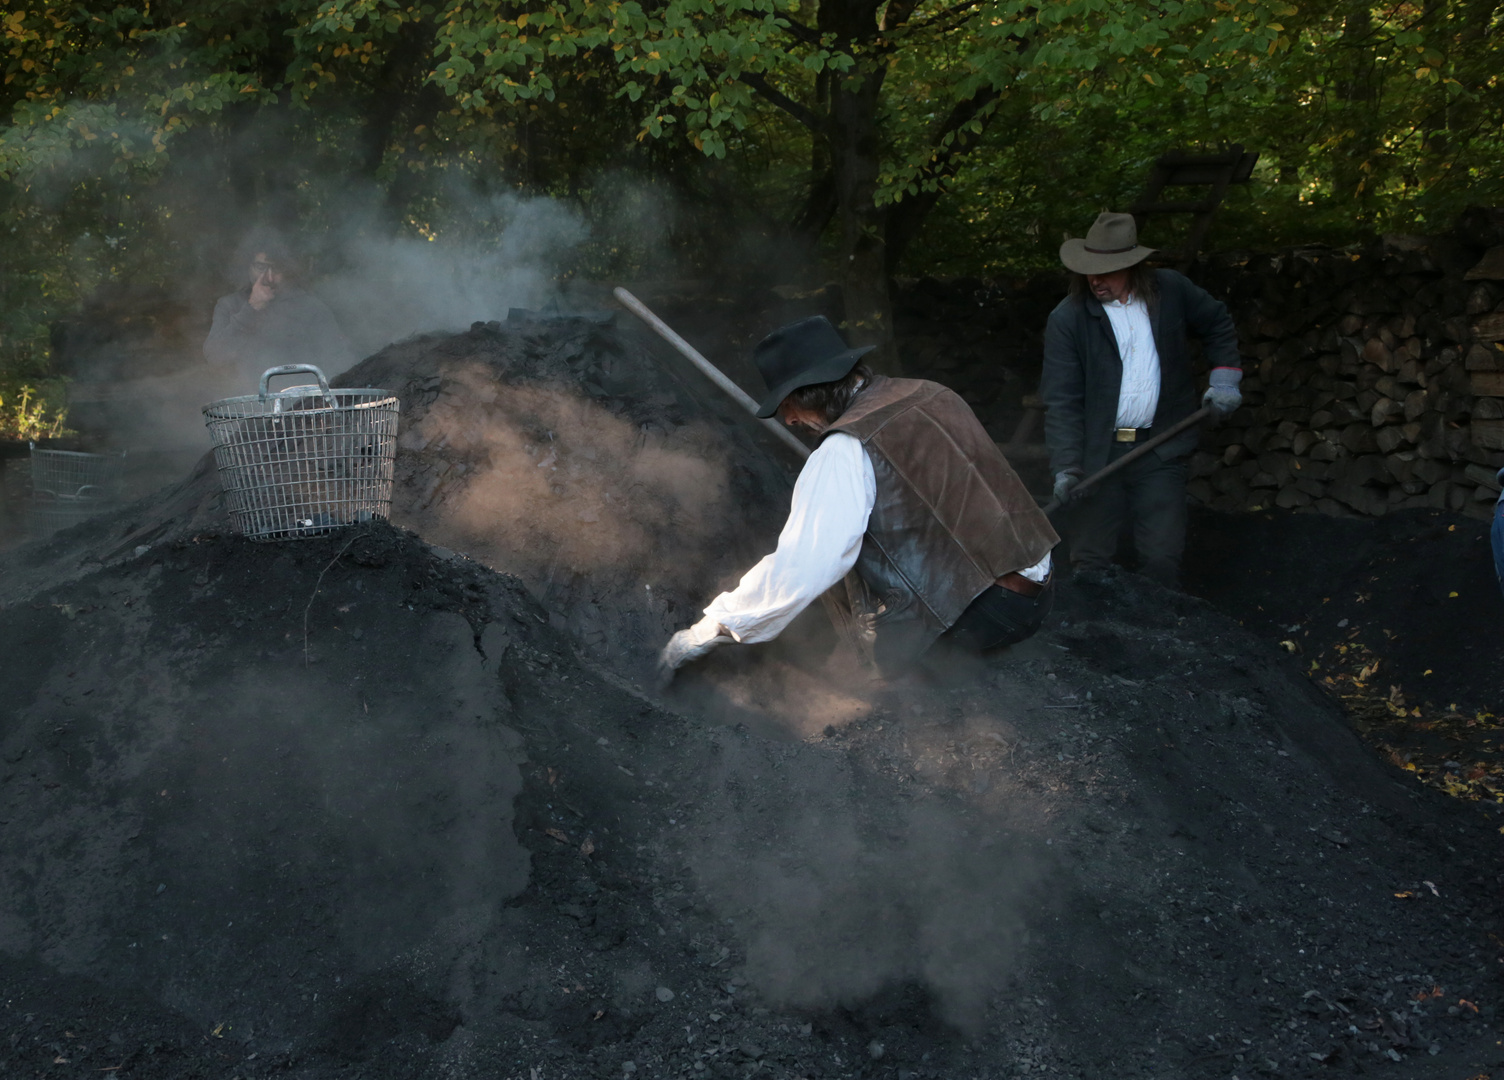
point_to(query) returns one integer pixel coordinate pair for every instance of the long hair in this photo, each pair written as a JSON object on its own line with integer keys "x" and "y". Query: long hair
{"x": 831, "y": 399}
{"x": 1140, "y": 284}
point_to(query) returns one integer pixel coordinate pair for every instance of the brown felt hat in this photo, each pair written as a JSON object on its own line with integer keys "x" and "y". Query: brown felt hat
{"x": 1111, "y": 244}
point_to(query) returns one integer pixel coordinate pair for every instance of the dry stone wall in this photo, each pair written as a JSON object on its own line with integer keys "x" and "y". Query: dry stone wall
{"x": 1374, "y": 381}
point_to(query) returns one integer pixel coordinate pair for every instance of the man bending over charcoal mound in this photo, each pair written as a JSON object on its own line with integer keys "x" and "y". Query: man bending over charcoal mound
{"x": 906, "y": 486}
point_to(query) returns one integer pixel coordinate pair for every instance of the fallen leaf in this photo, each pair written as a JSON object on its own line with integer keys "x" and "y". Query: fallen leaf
{"x": 588, "y": 847}
{"x": 557, "y": 834}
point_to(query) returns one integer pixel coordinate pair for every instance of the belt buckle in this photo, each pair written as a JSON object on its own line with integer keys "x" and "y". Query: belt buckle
{"x": 1127, "y": 434}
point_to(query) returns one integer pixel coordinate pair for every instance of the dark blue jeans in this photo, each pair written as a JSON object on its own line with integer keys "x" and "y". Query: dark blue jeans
{"x": 1498, "y": 538}
{"x": 1149, "y": 493}
{"x": 1000, "y": 617}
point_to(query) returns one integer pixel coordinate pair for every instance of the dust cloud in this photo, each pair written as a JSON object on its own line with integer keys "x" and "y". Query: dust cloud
{"x": 836, "y": 910}
{"x": 390, "y": 287}
{"x": 549, "y": 478}
{"x": 133, "y": 351}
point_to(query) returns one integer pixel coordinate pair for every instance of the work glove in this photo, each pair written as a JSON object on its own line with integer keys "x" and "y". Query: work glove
{"x": 1223, "y": 394}
{"x": 689, "y": 644}
{"x": 1065, "y": 483}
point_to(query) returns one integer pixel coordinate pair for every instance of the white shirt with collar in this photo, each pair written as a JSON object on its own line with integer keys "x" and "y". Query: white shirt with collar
{"x": 1138, "y": 396}
{"x": 820, "y": 542}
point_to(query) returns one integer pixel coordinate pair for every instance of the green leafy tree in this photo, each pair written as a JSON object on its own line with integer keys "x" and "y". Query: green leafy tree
{"x": 137, "y": 142}
{"x": 891, "y": 93}
{"x": 962, "y": 135}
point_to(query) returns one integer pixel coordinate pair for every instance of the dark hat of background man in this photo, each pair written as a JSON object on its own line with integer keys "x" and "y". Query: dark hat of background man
{"x": 804, "y": 353}
{"x": 1111, "y": 244}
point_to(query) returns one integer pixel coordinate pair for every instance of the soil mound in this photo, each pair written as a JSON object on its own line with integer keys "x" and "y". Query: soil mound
{"x": 353, "y": 806}
{"x": 589, "y": 460}
{"x": 360, "y": 805}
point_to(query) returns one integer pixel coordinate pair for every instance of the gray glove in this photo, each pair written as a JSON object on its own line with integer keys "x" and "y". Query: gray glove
{"x": 1223, "y": 394}
{"x": 1065, "y": 483}
{"x": 689, "y": 644}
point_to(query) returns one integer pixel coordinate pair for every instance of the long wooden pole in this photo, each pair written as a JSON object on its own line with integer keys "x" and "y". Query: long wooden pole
{"x": 711, "y": 372}
{"x": 715, "y": 375}
{"x": 1133, "y": 455}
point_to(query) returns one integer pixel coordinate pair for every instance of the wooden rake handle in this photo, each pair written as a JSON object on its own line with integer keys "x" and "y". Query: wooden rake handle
{"x": 1133, "y": 455}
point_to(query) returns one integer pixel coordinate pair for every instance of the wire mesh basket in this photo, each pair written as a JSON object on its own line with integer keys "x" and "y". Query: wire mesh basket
{"x": 46, "y": 514}
{"x": 68, "y": 487}
{"x": 70, "y": 474}
{"x": 306, "y": 460}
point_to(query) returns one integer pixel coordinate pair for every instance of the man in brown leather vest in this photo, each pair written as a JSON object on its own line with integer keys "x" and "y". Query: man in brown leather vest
{"x": 907, "y": 487}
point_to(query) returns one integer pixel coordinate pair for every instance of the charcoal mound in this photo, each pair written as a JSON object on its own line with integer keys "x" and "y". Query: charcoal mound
{"x": 576, "y": 452}
{"x": 1398, "y": 617}
{"x": 354, "y": 803}
{"x": 587, "y": 459}
{"x": 388, "y": 803}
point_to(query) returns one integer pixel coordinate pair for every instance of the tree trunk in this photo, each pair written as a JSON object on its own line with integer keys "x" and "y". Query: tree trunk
{"x": 1357, "y": 91}
{"x": 863, "y": 224}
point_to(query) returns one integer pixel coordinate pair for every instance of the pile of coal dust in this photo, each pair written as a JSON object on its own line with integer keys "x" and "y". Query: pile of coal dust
{"x": 590, "y": 460}
{"x": 579, "y": 453}
{"x": 351, "y": 806}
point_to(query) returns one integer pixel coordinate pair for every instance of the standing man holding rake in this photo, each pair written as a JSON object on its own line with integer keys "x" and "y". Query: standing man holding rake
{"x": 1117, "y": 370}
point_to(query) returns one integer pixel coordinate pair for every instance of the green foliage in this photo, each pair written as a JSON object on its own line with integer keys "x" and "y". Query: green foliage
{"x": 1000, "y": 124}
{"x": 27, "y": 412}
{"x": 707, "y": 67}
{"x": 1368, "y": 120}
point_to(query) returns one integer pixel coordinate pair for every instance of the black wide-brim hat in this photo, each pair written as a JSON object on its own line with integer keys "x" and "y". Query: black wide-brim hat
{"x": 805, "y": 353}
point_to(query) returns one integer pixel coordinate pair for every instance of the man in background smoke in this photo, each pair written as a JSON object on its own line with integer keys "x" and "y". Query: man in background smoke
{"x": 273, "y": 321}
{"x": 906, "y": 486}
{"x": 1117, "y": 370}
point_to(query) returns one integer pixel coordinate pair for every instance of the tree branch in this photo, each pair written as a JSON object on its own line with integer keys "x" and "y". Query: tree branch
{"x": 799, "y": 32}
{"x": 816, "y": 123}
{"x": 897, "y": 13}
{"x": 961, "y": 14}
{"x": 908, "y": 214}
{"x": 967, "y": 8}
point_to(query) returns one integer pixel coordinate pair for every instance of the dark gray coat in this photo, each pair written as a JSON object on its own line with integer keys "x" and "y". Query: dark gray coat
{"x": 295, "y": 328}
{"x": 1083, "y": 371}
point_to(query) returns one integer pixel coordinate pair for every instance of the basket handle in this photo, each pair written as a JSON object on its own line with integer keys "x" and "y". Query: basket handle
{"x": 295, "y": 369}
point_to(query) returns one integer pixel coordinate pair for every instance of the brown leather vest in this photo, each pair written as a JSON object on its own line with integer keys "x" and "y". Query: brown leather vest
{"x": 951, "y": 515}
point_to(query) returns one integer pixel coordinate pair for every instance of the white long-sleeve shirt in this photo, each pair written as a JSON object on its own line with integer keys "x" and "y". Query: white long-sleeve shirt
{"x": 1138, "y": 397}
{"x": 820, "y": 542}
{"x": 833, "y": 499}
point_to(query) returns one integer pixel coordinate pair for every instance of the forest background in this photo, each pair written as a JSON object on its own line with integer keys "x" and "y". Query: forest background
{"x": 780, "y": 141}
